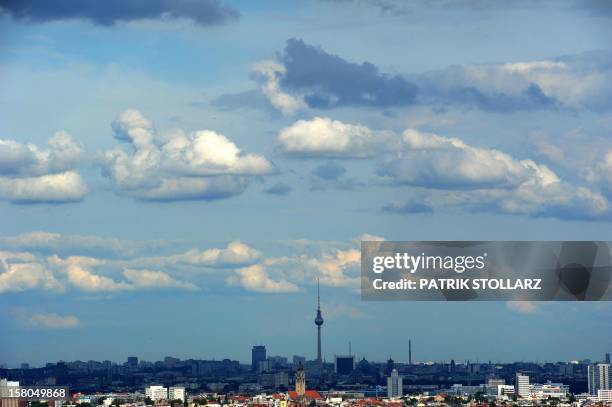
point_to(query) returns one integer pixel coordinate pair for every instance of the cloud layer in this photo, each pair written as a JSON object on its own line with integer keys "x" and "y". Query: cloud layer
{"x": 307, "y": 76}
{"x": 203, "y": 12}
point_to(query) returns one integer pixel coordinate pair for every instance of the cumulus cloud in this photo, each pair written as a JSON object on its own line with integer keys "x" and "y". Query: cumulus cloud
{"x": 29, "y": 174}
{"x": 201, "y": 165}
{"x": 52, "y": 188}
{"x": 448, "y": 163}
{"x": 79, "y": 273}
{"x": 235, "y": 254}
{"x": 324, "y": 137}
{"x": 22, "y": 271}
{"x": 488, "y": 179}
{"x": 255, "y": 278}
{"x": 203, "y": 12}
{"x": 574, "y": 81}
{"x": 150, "y": 279}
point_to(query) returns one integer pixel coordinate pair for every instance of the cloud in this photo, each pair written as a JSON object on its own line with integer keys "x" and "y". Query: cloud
{"x": 22, "y": 271}
{"x": 408, "y": 207}
{"x": 18, "y": 159}
{"x": 56, "y": 243}
{"x": 307, "y": 76}
{"x": 203, "y": 12}
{"x": 448, "y": 163}
{"x": 269, "y": 73}
{"x": 484, "y": 179}
{"x": 202, "y": 165}
{"x": 53, "y": 188}
{"x": 323, "y": 80}
{"x": 278, "y": 189}
{"x": 79, "y": 272}
{"x": 30, "y": 175}
{"x": 522, "y": 307}
{"x": 46, "y": 320}
{"x": 573, "y": 82}
{"x": 324, "y": 137}
{"x": 149, "y": 279}
{"x": 329, "y": 171}
{"x": 255, "y": 278}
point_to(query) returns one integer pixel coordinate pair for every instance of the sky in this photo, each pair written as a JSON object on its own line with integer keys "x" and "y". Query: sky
{"x": 175, "y": 176}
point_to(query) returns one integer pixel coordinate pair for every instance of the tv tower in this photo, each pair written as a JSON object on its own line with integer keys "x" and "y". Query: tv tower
{"x": 318, "y": 322}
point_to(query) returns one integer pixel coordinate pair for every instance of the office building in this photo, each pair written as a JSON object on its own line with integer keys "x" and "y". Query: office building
{"x": 394, "y": 385}
{"x": 156, "y": 392}
{"x": 344, "y": 364}
{"x": 521, "y": 386}
{"x": 598, "y": 377}
{"x": 258, "y": 354}
{"x": 176, "y": 393}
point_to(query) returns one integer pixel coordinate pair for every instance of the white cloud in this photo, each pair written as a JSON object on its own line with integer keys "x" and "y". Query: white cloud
{"x": 22, "y": 271}
{"x": 79, "y": 274}
{"x": 270, "y": 72}
{"x": 255, "y": 278}
{"x": 488, "y": 179}
{"x": 28, "y": 160}
{"x": 150, "y": 279}
{"x": 29, "y": 174}
{"x": 324, "y": 137}
{"x": 52, "y": 188}
{"x": 573, "y": 82}
{"x": 46, "y": 320}
{"x": 448, "y": 163}
{"x": 177, "y": 166}
{"x": 522, "y": 307}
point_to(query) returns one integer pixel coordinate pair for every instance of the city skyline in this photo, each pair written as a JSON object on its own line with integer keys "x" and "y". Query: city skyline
{"x": 179, "y": 177}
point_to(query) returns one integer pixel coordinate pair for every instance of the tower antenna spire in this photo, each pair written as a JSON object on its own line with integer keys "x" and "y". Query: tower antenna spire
{"x": 318, "y": 295}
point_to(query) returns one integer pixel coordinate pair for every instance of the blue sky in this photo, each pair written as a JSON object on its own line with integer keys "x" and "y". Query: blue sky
{"x": 203, "y": 162}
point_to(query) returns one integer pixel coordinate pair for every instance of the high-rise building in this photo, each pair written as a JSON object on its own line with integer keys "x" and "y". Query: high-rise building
{"x": 156, "y": 392}
{"x": 599, "y": 377}
{"x": 344, "y": 364}
{"x": 300, "y": 381}
{"x": 258, "y": 354}
{"x": 608, "y": 358}
{"x": 132, "y": 362}
{"x": 176, "y": 393}
{"x": 522, "y": 388}
{"x": 394, "y": 385}
{"x": 318, "y": 322}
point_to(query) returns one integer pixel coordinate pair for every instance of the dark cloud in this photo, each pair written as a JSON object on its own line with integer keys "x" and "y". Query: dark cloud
{"x": 328, "y": 81}
{"x": 329, "y": 171}
{"x": 531, "y": 98}
{"x": 278, "y": 189}
{"x": 109, "y": 12}
{"x": 407, "y": 207}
